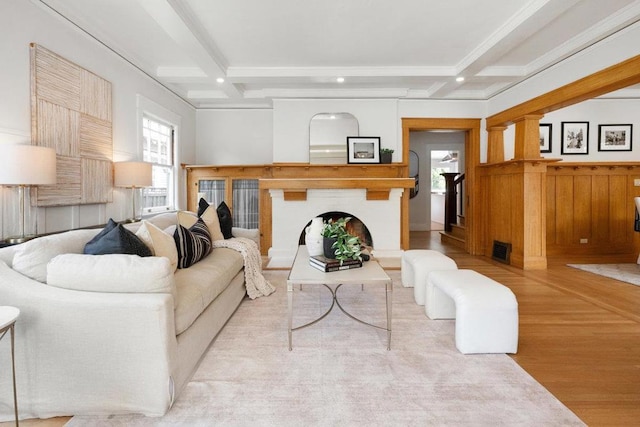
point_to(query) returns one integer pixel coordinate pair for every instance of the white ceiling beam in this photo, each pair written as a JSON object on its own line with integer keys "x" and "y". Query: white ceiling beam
{"x": 171, "y": 21}
{"x": 206, "y": 94}
{"x": 327, "y": 93}
{"x": 248, "y": 72}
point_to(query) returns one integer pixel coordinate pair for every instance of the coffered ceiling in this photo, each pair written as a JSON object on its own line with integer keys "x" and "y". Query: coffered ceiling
{"x": 411, "y": 49}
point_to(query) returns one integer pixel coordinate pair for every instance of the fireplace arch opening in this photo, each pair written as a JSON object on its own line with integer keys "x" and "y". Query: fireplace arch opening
{"x": 355, "y": 227}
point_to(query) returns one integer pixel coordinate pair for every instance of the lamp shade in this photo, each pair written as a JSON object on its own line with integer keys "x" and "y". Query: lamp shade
{"x": 27, "y": 165}
{"x": 132, "y": 174}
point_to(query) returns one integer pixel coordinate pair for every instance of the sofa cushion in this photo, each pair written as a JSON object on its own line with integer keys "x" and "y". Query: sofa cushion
{"x": 31, "y": 258}
{"x": 115, "y": 239}
{"x": 200, "y": 284}
{"x": 112, "y": 273}
{"x": 160, "y": 243}
{"x": 193, "y": 244}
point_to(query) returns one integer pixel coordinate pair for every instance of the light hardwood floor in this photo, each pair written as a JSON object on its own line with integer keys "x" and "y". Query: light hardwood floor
{"x": 579, "y": 335}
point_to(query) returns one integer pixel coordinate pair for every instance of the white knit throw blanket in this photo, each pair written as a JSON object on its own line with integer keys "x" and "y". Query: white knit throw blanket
{"x": 257, "y": 285}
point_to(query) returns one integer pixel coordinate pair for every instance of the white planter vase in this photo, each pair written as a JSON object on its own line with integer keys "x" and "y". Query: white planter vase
{"x": 313, "y": 237}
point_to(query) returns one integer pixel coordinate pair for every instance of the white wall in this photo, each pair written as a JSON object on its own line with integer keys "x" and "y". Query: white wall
{"x": 23, "y": 22}
{"x": 231, "y": 137}
{"x": 596, "y": 112}
{"x": 291, "y": 120}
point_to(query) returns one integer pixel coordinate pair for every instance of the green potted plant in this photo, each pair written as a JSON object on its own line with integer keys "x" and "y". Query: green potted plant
{"x": 385, "y": 155}
{"x": 338, "y": 243}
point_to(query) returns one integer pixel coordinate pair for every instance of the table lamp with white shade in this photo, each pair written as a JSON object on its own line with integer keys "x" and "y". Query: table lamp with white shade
{"x": 23, "y": 166}
{"x": 133, "y": 175}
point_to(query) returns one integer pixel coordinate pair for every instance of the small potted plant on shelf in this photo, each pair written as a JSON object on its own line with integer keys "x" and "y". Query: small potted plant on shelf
{"x": 338, "y": 243}
{"x": 385, "y": 155}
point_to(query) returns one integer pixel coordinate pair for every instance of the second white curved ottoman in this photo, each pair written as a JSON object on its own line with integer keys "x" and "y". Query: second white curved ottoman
{"x": 416, "y": 265}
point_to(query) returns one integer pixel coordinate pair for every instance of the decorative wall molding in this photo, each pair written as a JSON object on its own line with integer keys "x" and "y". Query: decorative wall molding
{"x": 71, "y": 111}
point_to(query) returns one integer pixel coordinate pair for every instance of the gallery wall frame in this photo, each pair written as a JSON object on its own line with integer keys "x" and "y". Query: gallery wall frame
{"x": 545, "y": 137}
{"x": 574, "y": 138}
{"x": 615, "y": 137}
{"x": 363, "y": 149}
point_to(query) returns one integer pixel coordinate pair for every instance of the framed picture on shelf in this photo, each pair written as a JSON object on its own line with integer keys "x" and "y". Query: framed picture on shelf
{"x": 363, "y": 149}
{"x": 575, "y": 138}
{"x": 545, "y": 137}
{"x": 614, "y": 137}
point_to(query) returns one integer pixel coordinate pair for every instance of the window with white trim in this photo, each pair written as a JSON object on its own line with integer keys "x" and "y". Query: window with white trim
{"x": 158, "y": 140}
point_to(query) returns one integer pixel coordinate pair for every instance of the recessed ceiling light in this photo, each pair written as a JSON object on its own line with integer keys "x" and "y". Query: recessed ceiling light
{"x": 220, "y": 80}
{"x": 340, "y": 79}
{"x": 459, "y": 79}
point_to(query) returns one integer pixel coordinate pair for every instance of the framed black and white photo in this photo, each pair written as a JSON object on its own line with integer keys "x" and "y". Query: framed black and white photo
{"x": 575, "y": 138}
{"x": 614, "y": 137}
{"x": 363, "y": 149}
{"x": 545, "y": 138}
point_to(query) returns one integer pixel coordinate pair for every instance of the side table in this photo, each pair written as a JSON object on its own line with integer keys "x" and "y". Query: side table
{"x": 8, "y": 317}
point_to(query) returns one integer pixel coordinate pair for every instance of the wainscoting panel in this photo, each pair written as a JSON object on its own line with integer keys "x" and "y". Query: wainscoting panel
{"x": 590, "y": 208}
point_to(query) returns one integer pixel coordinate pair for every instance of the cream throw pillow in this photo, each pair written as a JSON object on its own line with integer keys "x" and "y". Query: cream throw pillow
{"x": 111, "y": 273}
{"x": 160, "y": 243}
{"x": 210, "y": 218}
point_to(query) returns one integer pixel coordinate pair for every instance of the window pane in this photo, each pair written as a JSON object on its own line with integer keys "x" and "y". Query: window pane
{"x": 245, "y": 203}
{"x": 213, "y": 189}
{"x": 157, "y": 149}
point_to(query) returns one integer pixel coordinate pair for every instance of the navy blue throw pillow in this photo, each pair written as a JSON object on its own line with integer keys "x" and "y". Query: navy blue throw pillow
{"x": 115, "y": 239}
{"x": 202, "y": 206}
{"x": 226, "y": 221}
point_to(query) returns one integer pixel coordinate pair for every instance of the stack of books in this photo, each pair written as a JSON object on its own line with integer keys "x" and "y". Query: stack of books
{"x": 328, "y": 264}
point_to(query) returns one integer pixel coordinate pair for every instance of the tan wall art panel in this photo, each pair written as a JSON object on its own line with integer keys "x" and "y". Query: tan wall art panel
{"x": 58, "y": 80}
{"x": 95, "y": 97}
{"x": 95, "y": 171}
{"x": 68, "y": 190}
{"x": 59, "y": 128}
{"x": 71, "y": 112}
{"x": 95, "y": 138}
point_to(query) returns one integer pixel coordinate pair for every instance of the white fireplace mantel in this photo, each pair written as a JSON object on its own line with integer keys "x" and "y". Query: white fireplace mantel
{"x": 377, "y": 202}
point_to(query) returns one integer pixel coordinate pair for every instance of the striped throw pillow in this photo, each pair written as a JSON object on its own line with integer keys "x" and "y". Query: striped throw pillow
{"x": 193, "y": 243}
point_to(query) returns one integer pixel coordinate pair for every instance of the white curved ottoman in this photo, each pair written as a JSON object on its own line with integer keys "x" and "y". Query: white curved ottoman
{"x": 416, "y": 265}
{"x": 486, "y": 311}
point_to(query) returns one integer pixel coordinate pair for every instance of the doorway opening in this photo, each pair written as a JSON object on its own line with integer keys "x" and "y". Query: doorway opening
{"x": 442, "y": 161}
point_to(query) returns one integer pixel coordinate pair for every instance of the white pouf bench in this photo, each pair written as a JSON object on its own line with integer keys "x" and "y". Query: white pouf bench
{"x": 416, "y": 264}
{"x": 486, "y": 311}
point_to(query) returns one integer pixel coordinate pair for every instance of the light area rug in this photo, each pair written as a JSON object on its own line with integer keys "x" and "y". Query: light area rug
{"x": 341, "y": 374}
{"x": 629, "y": 273}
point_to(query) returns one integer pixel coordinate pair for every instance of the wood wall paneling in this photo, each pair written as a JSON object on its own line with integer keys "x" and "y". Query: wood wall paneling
{"x": 590, "y": 209}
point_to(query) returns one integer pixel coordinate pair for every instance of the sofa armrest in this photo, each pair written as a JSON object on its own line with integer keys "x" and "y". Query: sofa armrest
{"x": 88, "y": 352}
{"x": 249, "y": 233}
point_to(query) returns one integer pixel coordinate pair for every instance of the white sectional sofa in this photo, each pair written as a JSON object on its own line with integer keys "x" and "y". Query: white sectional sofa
{"x": 125, "y": 337}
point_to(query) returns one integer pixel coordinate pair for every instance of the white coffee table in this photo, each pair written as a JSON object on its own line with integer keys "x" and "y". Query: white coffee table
{"x": 370, "y": 274}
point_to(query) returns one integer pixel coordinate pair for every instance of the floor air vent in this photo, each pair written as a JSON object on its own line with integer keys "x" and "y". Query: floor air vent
{"x": 501, "y": 251}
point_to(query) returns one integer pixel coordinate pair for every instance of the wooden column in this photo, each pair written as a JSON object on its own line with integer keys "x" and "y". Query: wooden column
{"x": 527, "y": 144}
{"x": 495, "y": 146}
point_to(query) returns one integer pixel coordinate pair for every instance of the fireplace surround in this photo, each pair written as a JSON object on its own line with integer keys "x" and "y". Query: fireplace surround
{"x": 379, "y": 209}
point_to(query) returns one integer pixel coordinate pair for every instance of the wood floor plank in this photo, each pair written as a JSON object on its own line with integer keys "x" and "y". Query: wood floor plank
{"x": 579, "y": 334}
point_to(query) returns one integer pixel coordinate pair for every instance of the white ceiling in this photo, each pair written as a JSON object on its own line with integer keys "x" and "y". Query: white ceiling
{"x": 266, "y": 49}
